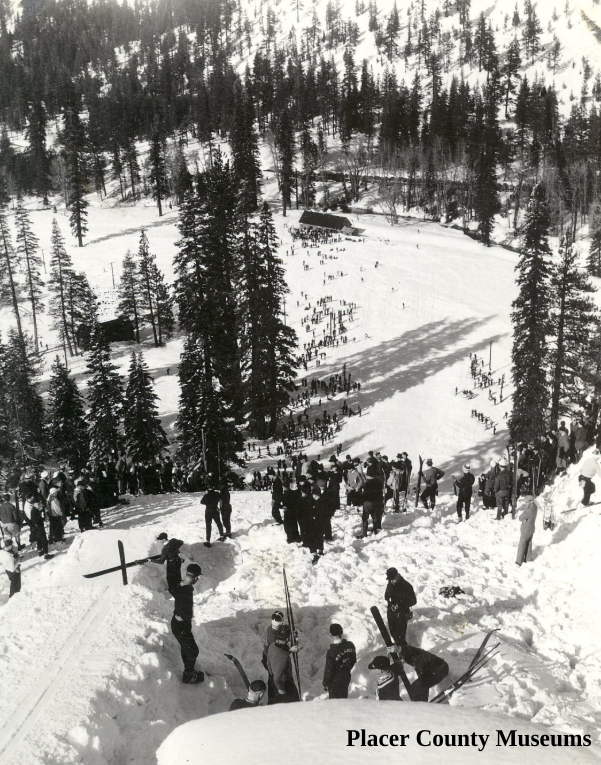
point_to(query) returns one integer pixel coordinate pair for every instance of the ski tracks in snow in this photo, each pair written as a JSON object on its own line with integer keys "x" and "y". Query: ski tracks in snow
{"x": 33, "y": 706}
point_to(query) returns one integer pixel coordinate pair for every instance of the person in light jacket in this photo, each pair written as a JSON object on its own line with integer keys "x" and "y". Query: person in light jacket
{"x": 528, "y": 519}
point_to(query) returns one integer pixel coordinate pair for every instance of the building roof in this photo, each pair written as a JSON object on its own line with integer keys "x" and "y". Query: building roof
{"x": 325, "y": 220}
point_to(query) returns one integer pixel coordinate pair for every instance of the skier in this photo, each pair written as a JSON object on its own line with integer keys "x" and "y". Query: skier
{"x": 588, "y": 470}
{"x": 9, "y": 561}
{"x": 373, "y": 500}
{"x": 430, "y": 670}
{"x": 225, "y": 508}
{"x": 170, "y": 556}
{"x": 400, "y": 597}
{"x": 340, "y": 659}
{"x": 431, "y": 478}
{"x": 502, "y": 489}
{"x": 464, "y": 492}
{"x": 277, "y": 619}
{"x": 528, "y": 519}
{"x": 388, "y": 680}
{"x": 279, "y": 665}
{"x": 255, "y": 693}
{"x": 211, "y": 502}
{"x": 181, "y": 624}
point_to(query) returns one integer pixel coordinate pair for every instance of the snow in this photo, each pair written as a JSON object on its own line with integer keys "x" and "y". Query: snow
{"x": 320, "y": 733}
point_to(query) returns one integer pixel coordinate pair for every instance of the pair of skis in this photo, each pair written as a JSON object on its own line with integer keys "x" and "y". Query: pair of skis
{"x": 293, "y": 640}
{"x": 419, "y": 481}
{"x": 480, "y": 659}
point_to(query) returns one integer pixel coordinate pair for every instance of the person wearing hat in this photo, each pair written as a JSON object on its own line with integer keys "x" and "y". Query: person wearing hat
{"x": 373, "y": 499}
{"x": 340, "y": 659}
{"x": 211, "y": 502}
{"x": 400, "y": 597}
{"x": 80, "y": 503}
{"x": 256, "y": 691}
{"x": 588, "y": 470}
{"x": 290, "y": 504}
{"x": 37, "y": 528}
{"x": 388, "y": 680}
{"x": 170, "y": 555}
{"x": 181, "y": 624}
{"x": 43, "y": 487}
{"x": 9, "y": 520}
{"x": 225, "y": 508}
{"x": 355, "y": 481}
{"x": 502, "y": 489}
{"x": 463, "y": 486}
{"x": 488, "y": 491}
{"x": 432, "y": 476}
{"x": 430, "y": 670}
{"x": 56, "y": 516}
{"x": 277, "y": 619}
{"x": 279, "y": 666}
{"x": 9, "y": 561}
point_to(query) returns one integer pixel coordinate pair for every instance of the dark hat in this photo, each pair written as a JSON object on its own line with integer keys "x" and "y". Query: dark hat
{"x": 336, "y": 630}
{"x": 429, "y": 461}
{"x": 282, "y": 632}
{"x": 8, "y": 542}
{"x": 194, "y": 569}
{"x": 162, "y": 536}
{"x": 6, "y": 497}
{"x": 277, "y": 616}
{"x": 391, "y": 573}
{"x": 356, "y": 460}
{"x": 316, "y": 491}
{"x": 258, "y": 686}
{"x": 332, "y": 458}
{"x": 379, "y": 662}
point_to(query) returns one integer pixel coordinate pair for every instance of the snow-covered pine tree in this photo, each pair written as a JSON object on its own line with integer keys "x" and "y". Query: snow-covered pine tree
{"x": 7, "y": 453}
{"x": 163, "y": 304}
{"x": 66, "y": 425}
{"x": 105, "y": 399}
{"x": 573, "y": 319}
{"x": 207, "y": 433}
{"x": 145, "y": 438}
{"x": 10, "y": 289}
{"x": 129, "y": 304}
{"x": 28, "y": 252}
{"x": 245, "y": 149}
{"x": 82, "y": 308}
{"x": 61, "y": 273}
{"x": 530, "y": 317}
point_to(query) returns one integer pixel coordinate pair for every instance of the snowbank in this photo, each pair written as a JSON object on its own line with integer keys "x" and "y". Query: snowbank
{"x": 319, "y": 733}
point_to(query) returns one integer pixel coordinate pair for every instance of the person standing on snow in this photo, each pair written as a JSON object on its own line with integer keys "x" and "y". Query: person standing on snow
{"x": 9, "y": 520}
{"x": 588, "y": 470}
{"x": 400, "y": 597}
{"x": 432, "y": 476}
{"x": 256, "y": 691}
{"x": 340, "y": 659}
{"x": 170, "y": 556}
{"x": 528, "y": 519}
{"x": 225, "y": 508}
{"x": 56, "y": 516}
{"x": 373, "y": 499}
{"x": 9, "y": 561}
{"x": 277, "y": 619}
{"x": 488, "y": 495}
{"x": 279, "y": 665}
{"x": 502, "y": 489}
{"x": 430, "y": 670}
{"x": 464, "y": 486}
{"x": 211, "y": 502}
{"x": 181, "y": 624}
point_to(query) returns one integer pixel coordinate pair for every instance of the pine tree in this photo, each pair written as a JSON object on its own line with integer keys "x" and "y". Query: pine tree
{"x": 36, "y": 134}
{"x": 163, "y": 304}
{"x": 594, "y": 257}
{"x": 61, "y": 272}
{"x": 245, "y": 149}
{"x": 129, "y": 293}
{"x": 10, "y": 289}
{"x": 74, "y": 141}
{"x": 25, "y": 409}
{"x": 206, "y": 429}
{"x": 284, "y": 140}
{"x": 530, "y": 317}
{"x": 144, "y": 435}
{"x": 105, "y": 399}
{"x": 510, "y": 71}
{"x": 28, "y": 254}
{"x": 146, "y": 261}
{"x": 66, "y": 425}
{"x": 573, "y": 318}
{"x": 82, "y": 308}
{"x": 158, "y": 172}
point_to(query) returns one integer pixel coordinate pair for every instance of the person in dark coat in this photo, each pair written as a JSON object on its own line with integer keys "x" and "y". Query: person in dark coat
{"x": 400, "y": 597}
{"x": 502, "y": 489}
{"x": 279, "y": 665}
{"x": 211, "y": 503}
{"x": 181, "y": 624}
{"x": 464, "y": 486}
{"x": 373, "y": 500}
{"x": 290, "y": 503}
{"x": 167, "y": 474}
{"x": 37, "y": 528}
{"x": 256, "y": 691}
{"x": 388, "y": 679}
{"x": 430, "y": 670}
{"x": 170, "y": 556}
{"x": 277, "y": 619}
{"x": 431, "y": 476}
{"x": 528, "y": 519}
{"x": 340, "y": 660}
{"x": 277, "y": 492}
{"x": 225, "y": 508}
{"x": 304, "y": 512}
